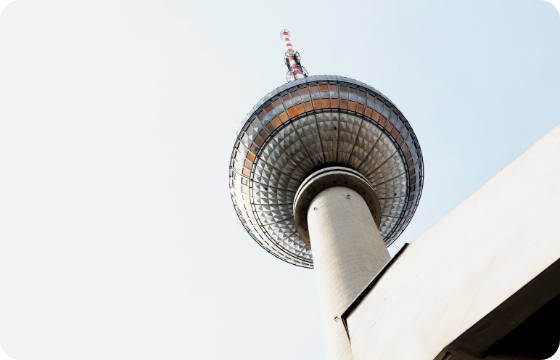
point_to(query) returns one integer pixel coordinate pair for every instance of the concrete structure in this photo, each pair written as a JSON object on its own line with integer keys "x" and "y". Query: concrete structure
{"x": 330, "y": 164}
{"x": 347, "y": 247}
{"x": 348, "y": 252}
{"x": 482, "y": 283}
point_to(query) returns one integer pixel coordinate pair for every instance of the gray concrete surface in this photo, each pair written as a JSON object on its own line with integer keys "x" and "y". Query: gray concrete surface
{"x": 465, "y": 266}
{"x": 347, "y": 252}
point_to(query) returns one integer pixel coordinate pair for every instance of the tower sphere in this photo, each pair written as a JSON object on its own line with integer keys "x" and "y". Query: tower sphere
{"x": 310, "y": 124}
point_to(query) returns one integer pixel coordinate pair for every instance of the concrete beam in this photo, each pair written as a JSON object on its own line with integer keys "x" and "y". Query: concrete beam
{"x": 473, "y": 277}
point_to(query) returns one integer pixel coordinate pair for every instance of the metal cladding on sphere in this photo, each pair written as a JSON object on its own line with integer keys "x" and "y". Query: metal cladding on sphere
{"x": 315, "y": 122}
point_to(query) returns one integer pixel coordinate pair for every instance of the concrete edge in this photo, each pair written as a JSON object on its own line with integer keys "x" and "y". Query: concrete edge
{"x": 367, "y": 289}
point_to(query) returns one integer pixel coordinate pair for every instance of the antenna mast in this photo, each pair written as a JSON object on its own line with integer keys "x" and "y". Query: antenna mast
{"x": 292, "y": 59}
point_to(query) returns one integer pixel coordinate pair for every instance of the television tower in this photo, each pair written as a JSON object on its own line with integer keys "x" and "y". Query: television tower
{"x": 325, "y": 173}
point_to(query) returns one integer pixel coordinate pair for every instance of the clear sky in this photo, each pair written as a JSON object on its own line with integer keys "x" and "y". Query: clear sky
{"x": 118, "y": 239}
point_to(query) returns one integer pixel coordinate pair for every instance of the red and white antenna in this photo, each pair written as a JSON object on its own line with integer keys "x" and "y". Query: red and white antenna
{"x": 292, "y": 59}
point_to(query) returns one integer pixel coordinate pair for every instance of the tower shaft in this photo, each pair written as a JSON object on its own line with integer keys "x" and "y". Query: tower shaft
{"x": 348, "y": 251}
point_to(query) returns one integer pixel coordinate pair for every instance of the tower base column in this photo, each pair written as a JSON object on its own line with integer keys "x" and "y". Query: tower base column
{"x": 347, "y": 253}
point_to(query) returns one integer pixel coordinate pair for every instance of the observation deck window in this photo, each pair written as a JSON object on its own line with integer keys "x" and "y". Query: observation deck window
{"x": 263, "y": 134}
{"x": 383, "y": 120}
{"x": 270, "y": 127}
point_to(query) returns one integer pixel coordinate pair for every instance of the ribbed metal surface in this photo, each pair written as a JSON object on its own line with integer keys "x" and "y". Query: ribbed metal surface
{"x": 310, "y": 123}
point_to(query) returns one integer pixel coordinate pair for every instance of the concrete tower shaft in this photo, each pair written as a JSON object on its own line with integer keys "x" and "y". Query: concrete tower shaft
{"x": 339, "y": 206}
{"x": 348, "y": 251}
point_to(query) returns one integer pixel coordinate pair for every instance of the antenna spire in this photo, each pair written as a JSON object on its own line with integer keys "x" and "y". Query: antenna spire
{"x": 292, "y": 59}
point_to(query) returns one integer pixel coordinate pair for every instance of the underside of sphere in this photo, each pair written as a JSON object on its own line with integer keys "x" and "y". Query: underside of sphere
{"x": 316, "y": 122}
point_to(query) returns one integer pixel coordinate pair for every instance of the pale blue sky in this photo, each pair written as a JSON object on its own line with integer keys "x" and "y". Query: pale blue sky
{"x": 118, "y": 239}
